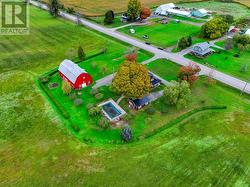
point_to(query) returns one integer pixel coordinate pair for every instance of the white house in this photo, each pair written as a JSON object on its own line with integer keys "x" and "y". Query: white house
{"x": 162, "y": 10}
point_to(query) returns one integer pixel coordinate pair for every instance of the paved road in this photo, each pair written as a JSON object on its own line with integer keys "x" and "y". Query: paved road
{"x": 224, "y": 78}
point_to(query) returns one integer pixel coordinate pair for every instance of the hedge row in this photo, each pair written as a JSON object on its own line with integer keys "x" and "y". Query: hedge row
{"x": 58, "y": 106}
{"x": 181, "y": 118}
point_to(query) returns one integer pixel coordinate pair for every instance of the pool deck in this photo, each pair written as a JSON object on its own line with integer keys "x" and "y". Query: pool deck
{"x": 116, "y": 106}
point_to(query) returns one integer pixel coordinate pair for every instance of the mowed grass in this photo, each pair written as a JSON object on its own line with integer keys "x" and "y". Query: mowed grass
{"x": 162, "y": 35}
{"x": 227, "y": 63}
{"x": 164, "y": 68}
{"x": 235, "y": 9}
{"x": 37, "y": 150}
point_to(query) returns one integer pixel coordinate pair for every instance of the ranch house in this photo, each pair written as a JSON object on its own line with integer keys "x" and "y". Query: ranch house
{"x": 201, "y": 50}
{"x": 76, "y": 76}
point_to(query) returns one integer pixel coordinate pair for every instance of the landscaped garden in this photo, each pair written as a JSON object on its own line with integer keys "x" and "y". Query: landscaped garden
{"x": 162, "y": 35}
{"x": 37, "y": 146}
{"x": 227, "y": 62}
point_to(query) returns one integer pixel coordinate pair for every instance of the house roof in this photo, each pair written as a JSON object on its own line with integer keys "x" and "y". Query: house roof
{"x": 203, "y": 11}
{"x": 141, "y": 102}
{"x": 154, "y": 80}
{"x": 179, "y": 12}
{"x": 202, "y": 48}
{"x": 70, "y": 70}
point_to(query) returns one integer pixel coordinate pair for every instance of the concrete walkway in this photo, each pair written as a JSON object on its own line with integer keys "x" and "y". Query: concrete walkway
{"x": 222, "y": 77}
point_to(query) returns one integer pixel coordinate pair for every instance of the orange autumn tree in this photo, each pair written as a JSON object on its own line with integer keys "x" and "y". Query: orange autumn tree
{"x": 145, "y": 13}
{"x": 189, "y": 73}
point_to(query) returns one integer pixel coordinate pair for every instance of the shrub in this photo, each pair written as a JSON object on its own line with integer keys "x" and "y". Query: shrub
{"x": 72, "y": 96}
{"x": 90, "y": 105}
{"x": 75, "y": 128}
{"x": 44, "y": 79}
{"x": 78, "y": 102}
{"x": 109, "y": 17}
{"x": 150, "y": 110}
{"x": 94, "y": 111}
{"x": 66, "y": 87}
{"x": 94, "y": 91}
{"x": 126, "y": 134}
{"x": 244, "y": 68}
{"x": 99, "y": 96}
{"x": 70, "y": 10}
{"x": 104, "y": 123}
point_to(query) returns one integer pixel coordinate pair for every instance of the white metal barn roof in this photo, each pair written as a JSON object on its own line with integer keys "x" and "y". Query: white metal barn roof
{"x": 163, "y": 8}
{"x": 203, "y": 11}
{"x": 179, "y": 12}
{"x": 70, "y": 70}
{"x": 247, "y": 32}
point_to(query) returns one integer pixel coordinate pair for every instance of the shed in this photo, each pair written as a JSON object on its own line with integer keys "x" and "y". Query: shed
{"x": 139, "y": 103}
{"x": 201, "y": 50}
{"x": 76, "y": 76}
{"x": 162, "y": 9}
{"x": 200, "y": 13}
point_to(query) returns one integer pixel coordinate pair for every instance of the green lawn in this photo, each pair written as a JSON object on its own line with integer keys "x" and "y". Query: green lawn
{"x": 234, "y": 9}
{"x": 163, "y": 35}
{"x": 227, "y": 63}
{"x": 164, "y": 68}
{"x": 188, "y": 19}
{"x": 36, "y": 149}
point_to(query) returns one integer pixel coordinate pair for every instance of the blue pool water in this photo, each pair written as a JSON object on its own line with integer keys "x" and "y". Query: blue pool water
{"x": 111, "y": 110}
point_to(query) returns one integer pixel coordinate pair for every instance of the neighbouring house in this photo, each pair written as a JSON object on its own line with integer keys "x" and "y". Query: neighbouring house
{"x": 155, "y": 82}
{"x": 201, "y": 50}
{"x": 162, "y": 10}
{"x": 200, "y": 13}
{"x": 76, "y": 76}
{"x": 137, "y": 104}
{"x": 125, "y": 17}
{"x": 233, "y": 29}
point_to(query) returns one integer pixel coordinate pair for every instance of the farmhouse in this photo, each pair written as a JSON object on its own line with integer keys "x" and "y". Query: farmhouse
{"x": 162, "y": 10}
{"x": 76, "y": 76}
{"x": 137, "y": 104}
{"x": 200, "y": 13}
{"x": 201, "y": 50}
{"x": 155, "y": 82}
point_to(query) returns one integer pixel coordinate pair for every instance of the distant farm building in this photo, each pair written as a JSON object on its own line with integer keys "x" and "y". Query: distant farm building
{"x": 201, "y": 50}
{"x": 200, "y": 13}
{"x": 76, "y": 76}
{"x": 137, "y": 104}
{"x": 162, "y": 10}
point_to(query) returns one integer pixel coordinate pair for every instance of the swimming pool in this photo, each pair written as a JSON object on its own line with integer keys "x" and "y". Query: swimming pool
{"x": 112, "y": 110}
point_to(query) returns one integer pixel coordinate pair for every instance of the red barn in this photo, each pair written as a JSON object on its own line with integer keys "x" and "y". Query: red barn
{"x": 77, "y": 77}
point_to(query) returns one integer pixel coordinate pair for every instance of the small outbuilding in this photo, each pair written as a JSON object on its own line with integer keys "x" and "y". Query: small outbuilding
{"x": 137, "y": 104}
{"x": 201, "y": 50}
{"x": 76, "y": 76}
{"x": 200, "y": 13}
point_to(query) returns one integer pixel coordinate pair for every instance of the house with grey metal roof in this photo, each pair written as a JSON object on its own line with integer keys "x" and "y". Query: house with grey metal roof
{"x": 201, "y": 50}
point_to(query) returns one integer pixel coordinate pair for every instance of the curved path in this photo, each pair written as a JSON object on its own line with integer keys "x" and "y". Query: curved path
{"x": 222, "y": 77}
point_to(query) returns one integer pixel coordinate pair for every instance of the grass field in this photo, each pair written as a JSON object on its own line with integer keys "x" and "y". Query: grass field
{"x": 235, "y": 9}
{"x": 163, "y": 35}
{"x": 207, "y": 149}
{"x": 227, "y": 63}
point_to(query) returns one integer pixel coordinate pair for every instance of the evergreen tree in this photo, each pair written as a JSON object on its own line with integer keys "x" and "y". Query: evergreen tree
{"x": 81, "y": 54}
{"x": 109, "y": 17}
{"x": 54, "y": 7}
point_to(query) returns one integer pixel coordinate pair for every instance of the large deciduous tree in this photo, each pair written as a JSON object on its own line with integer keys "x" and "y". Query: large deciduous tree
{"x": 214, "y": 28}
{"x": 145, "y": 13}
{"x": 189, "y": 73}
{"x": 54, "y": 7}
{"x": 134, "y": 9}
{"x": 177, "y": 93}
{"x": 132, "y": 80}
{"x": 109, "y": 17}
